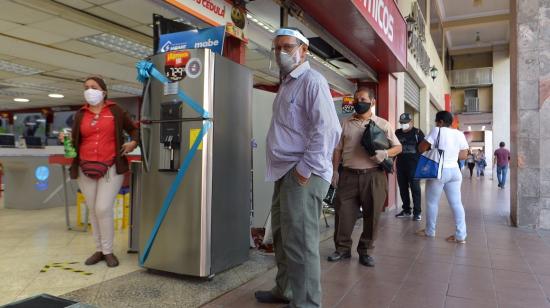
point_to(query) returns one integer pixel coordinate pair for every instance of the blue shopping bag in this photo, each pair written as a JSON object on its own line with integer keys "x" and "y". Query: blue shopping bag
{"x": 430, "y": 163}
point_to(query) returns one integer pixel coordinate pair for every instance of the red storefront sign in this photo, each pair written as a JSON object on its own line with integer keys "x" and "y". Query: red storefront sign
{"x": 386, "y": 20}
{"x": 374, "y": 30}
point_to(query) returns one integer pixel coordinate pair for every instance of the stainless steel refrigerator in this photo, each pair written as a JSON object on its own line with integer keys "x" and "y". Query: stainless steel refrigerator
{"x": 206, "y": 229}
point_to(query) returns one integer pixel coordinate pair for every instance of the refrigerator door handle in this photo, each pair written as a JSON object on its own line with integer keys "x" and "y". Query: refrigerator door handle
{"x": 144, "y": 127}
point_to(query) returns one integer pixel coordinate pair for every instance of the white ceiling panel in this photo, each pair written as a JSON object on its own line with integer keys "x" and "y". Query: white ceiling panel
{"x": 35, "y": 35}
{"x": 145, "y": 30}
{"x": 490, "y": 33}
{"x": 101, "y": 2}
{"x": 21, "y": 14}
{"x": 460, "y": 9}
{"x": 4, "y": 75}
{"x": 139, "y": 10}
{"x": 254, "y": 55}
{"x": 30, "y": 80}
{"x": 112, "y": 16}
{"x": 70, "y": 74}
{"x": 64, "y": 28}
{"x": 38, "y": 65}
{"x": 77, "y": 4}
{"x": 116, "y": 57}
{"x": 7, "y": 25}
{"x": 80, "y": 48}
{"x": 6, "y": 57}
{"x": 65, "y": 59}
{"x": 258, "y": 64}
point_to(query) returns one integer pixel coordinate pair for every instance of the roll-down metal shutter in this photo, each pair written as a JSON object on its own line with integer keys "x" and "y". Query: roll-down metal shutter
{"x": 412, "y": 92}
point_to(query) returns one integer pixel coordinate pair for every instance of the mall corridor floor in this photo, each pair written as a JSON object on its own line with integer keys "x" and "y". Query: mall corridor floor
{"x": 499, "y": 266}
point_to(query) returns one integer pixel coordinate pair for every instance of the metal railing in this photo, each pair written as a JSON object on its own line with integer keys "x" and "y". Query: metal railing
{"x": 471, "y": 77}
{"x": 471, "y": 104}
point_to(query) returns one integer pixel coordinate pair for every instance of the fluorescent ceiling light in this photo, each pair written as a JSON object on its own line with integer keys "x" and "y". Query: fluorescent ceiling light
{"x": 56, "y": 95}
{"x": 18, "y": 68}
{"x": 260, "y": 23}
{"x": 126, "y": 89}
{"x": 118, "y": 44}
{"x": 21, "y": 100}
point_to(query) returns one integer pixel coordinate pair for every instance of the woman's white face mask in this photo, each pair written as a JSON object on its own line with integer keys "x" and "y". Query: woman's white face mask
{"x": 93, "y": 97}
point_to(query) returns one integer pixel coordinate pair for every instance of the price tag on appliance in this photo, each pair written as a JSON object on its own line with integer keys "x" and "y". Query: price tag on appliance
{"x": 347, "y": 104}
{"x": 174, "y": 66}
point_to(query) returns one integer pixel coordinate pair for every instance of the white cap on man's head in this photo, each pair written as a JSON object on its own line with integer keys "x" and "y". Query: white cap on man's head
{"x": 294, "y": 33}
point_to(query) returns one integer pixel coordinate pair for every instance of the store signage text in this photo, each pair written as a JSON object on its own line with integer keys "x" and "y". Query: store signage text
{"x": 211, "y": 38}
{"x": 381, "y": 14}
{"x": 214, "y": 12}
{"x": 386, "y": 20}
{"x": 416, "y": 40}
{"x": 212, "y": 7}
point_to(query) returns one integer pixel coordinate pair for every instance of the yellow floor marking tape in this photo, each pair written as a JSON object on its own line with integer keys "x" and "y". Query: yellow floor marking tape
{"x": 64, "y": 266}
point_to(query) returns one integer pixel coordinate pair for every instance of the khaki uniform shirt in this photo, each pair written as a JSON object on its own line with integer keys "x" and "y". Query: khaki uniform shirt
{"x": 354, "y": 155}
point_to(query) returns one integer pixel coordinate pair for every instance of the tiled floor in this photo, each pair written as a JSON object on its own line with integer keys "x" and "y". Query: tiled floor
{"x": 499, "y": 266}
{"x": 29, "y": 240}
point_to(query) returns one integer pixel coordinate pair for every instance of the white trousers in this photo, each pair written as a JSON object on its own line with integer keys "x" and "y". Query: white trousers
{"x": 100, "y": 197}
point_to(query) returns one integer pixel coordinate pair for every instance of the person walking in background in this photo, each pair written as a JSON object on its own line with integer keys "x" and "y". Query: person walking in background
{"x": 362, "y": 182}
{"x": 410, "y": 137}
{"x": 471, "y": 162}
{"x": 455, "y": 147}
{"x": 501, "y": 159}
{"x": 100, "y": 164}
{"x": 303, "y": 133}
{"x": 481, "y": 163}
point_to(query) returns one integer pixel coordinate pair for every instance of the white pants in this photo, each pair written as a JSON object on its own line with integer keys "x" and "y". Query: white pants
{"x": 100, "y": 197}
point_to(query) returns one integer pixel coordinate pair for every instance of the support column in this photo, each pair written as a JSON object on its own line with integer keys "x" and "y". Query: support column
{"x": 386, "y": 108}
{"x": 530, "y": 111}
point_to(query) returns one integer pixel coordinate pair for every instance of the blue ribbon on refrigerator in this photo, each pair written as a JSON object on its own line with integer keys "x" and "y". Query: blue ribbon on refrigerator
{"x": 146, "y": 69}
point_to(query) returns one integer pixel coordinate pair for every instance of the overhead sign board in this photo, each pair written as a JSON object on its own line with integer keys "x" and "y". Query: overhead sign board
{"x": 385, "y": 18}
{"x": 213, "y": 12}
{"x": 211, "y": 38}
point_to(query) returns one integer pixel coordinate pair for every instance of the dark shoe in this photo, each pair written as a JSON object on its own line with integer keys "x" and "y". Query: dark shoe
{"x": 111, "y": 260}
{"x": 337, "y": 256}
{"x": 95, "y": 258}
{"x": 366, "y": 260}
{"x": 268, "y": 297}
{"x": 403, "y": 214}
{"x": 417, "y": 217}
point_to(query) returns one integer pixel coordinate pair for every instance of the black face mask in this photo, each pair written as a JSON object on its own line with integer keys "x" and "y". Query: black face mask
{"x": 362, "y": 107}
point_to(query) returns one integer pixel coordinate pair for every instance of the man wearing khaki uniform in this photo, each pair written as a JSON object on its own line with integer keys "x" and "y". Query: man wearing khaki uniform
{"x": 362, "y": 183}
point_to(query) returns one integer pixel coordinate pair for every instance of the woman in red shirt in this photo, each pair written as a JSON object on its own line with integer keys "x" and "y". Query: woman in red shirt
{"x": 101, "y": 163}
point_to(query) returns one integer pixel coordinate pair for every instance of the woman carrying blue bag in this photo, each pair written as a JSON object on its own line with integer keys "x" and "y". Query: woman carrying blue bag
{"x": 453, "y": 146}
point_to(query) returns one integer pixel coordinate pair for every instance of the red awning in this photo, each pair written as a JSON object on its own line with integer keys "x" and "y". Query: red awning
{"x": 372, "y": 29}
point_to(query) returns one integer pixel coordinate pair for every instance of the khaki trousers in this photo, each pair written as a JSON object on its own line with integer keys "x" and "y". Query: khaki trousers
{"x": 295, "y": 213}
{"x": 367, "y": 190}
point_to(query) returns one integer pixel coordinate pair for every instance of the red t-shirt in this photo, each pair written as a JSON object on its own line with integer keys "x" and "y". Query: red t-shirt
{"x": 503, "y": 156}
{"x": 97, "y": 133}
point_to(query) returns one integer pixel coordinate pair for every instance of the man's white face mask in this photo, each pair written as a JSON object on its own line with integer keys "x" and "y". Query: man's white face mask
{"x": 287, "y": 61}
{"x": 405, "y": 126}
